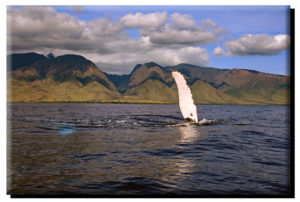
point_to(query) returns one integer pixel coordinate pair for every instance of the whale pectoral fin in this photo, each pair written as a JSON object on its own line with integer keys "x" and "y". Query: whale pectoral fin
{"x": 186, "y": 102}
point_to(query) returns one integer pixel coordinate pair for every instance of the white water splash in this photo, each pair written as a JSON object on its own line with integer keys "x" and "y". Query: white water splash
{"x": 206, "y": 122}
{"x": 186, "y": 102}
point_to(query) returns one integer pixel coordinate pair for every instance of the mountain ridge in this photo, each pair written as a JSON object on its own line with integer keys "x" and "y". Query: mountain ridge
{"x": 18, "y": 60}
{"x": 144, "y": 84}
{"x": 63, "y": 78}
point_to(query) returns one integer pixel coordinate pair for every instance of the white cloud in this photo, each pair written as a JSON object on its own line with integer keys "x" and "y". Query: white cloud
{"x": 104, "y": 27}
{"x": 194, "y": 55}
{"x": 34, "y": 27}
{"x": 162, "y": 56}
{"x": 43, "y": 21}
{"x": 169, "y": 35}
{"x": 183, "y": 31}
{"x": 218, "y": 51}
{"x": 183, "y": 21}
{"x": 166, "y": 56}
{"x": 140, "y": 20}
{"x": 258, "y": 44}
{"x": 209, "y": 23}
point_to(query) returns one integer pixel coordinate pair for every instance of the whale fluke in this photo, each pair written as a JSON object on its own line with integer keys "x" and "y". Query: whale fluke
{"x": 186, "y": 102}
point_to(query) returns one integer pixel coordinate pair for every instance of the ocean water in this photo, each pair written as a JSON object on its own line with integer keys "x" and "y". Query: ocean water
{"x": 147, "y": 150}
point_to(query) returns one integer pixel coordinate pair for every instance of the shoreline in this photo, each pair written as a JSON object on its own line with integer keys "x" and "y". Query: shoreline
{"x": 158, "y": 103}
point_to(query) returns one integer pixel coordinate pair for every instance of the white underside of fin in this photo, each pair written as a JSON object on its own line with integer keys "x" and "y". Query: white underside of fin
{"x": 186, "y": 102}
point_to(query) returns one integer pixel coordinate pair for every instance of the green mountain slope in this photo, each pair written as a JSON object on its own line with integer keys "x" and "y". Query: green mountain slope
{"x": 153, "y": 91}
{"x": 147, "y": 71}
{"x": 204, "y": 93}
{"x": 254, "y": 86}
{"x": 193, "y": 72}
{"x": 48, "y": 90}
{"x": 68, "y": 78}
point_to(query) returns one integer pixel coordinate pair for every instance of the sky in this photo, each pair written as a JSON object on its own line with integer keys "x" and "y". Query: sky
{"x": 116, "y": 38}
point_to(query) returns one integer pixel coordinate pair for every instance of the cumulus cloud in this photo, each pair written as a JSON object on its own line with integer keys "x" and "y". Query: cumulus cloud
{"x": 218, "y": 51}
{"x": 43, "y": 21}
{"x": 209, "y": 23}
{"x": 33, "y": 27}
{"x": 171, "y": 36}
{"x": 194, "y": 55}
{"x": 183, "y": 21}
{"x": 162, "y": 56}
{"x": 167, "y": 40}
{"x": 182, "y": 31}
{"x": 258, "y": 44}
{"x": 140, "y": 20}
{"x": 103, "y": 27}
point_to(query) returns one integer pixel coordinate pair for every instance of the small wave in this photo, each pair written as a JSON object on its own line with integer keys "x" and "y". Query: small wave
{"x": 254, "y": 132}
{"x": 242, "y": 124}
{"x": 66, "y": 128}
{"x": 158, "y": 116}
{"x": 175, "y": 124}
{"x": 128, "y": 186}
{"x": 165, "y": 152}
{"x": 88, "y": 156}
{"x": 268, "y": 163}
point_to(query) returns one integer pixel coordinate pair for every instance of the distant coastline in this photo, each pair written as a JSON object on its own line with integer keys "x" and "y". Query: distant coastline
{"x": 140, "y": 102}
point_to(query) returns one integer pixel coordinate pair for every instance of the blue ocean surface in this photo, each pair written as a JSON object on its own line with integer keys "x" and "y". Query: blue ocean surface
{"x": 146, "y": 150}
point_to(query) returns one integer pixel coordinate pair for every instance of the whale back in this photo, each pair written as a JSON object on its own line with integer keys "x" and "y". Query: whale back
{"x": 186, "y": 102}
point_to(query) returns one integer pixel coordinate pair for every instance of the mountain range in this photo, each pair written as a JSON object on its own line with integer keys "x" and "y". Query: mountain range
{"x": 32, "y": 77}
